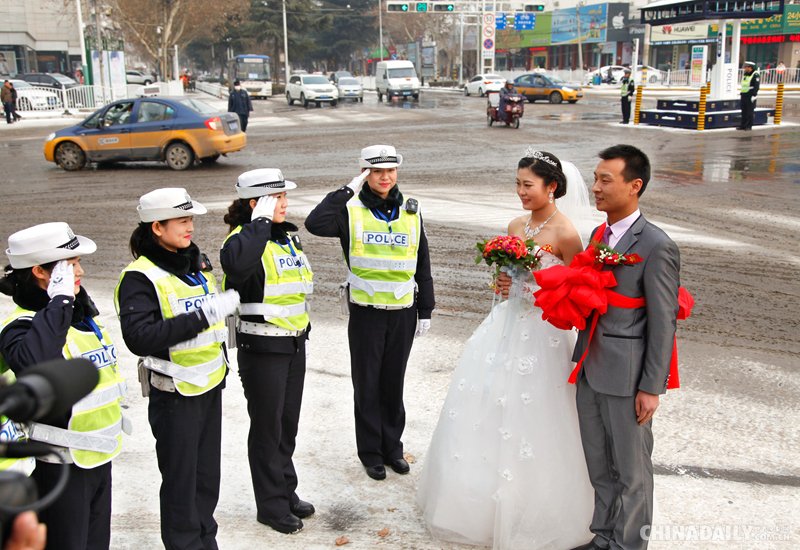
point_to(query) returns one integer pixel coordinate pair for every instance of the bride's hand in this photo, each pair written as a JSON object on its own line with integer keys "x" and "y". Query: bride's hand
{"x": 503, "y": 284}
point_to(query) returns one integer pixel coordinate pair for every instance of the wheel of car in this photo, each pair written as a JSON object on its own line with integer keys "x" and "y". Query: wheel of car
{"x": 147, "y": 82}
{"x": 416, "y": 97}
{"x": 361, "y": 100}
{"x": 572, "y": 101}
{"x": 303, "y": 100}
{"x": 333, "y": 103}
{"x": 179, "y": 156}
{"x": 516, "y": 123}
{"x": 70, "y": 156}
{"x": 24, "y": 104}
{"x": 466, "y": 91}
{"x": 481, "y": 92}
{"x": 289, "y": 99}
{"x": 210, "y": 160}
{"x": 489, "y": 120}
{"x": 532, "y": 99}
{"x": 555, "y": 97}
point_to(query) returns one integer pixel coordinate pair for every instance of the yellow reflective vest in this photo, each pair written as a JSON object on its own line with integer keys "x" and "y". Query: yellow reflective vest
{"x": 746, "y": 82}
{"x": 383, "y": 257}
{"x": 94, "y": 432}
{"x": 197, "y": 365}
{"x": 287, "y": 280}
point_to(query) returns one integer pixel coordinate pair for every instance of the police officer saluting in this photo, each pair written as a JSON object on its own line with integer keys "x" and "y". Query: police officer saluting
{"x": 264, "y": 261}
{"x": 173, "y": 318}
{"x": 390, "y": 292}
{"x": 751, "y": 81}
{"x": 55, "y": 317}
{"x": 626, "y": 91}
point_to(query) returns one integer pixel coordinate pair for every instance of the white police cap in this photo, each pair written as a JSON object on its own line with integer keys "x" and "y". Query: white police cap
{"x": 44, "y": 243}
{"x": 168, "y": 203}
{"x": 749, "y": 64}
{"x": 262, "y": 181}
{"x": 380, "y": 156}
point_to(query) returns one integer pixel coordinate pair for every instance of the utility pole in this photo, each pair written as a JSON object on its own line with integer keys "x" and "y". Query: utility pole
{"x": 99, "y": 45}
{"x": 285, "y": 48}
{"x": 380, "y": 28}
{"x": 82, "y": 38}
{"x": 580, "y": 45}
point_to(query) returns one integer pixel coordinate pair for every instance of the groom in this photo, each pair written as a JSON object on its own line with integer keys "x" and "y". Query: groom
{"x": 627, "y": 359}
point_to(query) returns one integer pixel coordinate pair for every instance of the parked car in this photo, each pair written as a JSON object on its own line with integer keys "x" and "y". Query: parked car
{"x": 539, "y": 86}
{"x": 175, "y": 130}
{"x": 482, "y": 84}
{"x": 612, "y": 74}
{"x": 57, "y": 81}
{"x": 138, "y": 77}
{"x": 30, "y": 98}
{"x": 311, "y": 88}
{"x": 334, "y": 77}
{"x": 350, "y": 88}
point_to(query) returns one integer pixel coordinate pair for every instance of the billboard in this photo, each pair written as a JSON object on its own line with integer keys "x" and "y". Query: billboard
{"x": 538, "y": 36}
{"x": 618, "y": 26}
{"x": 593, "y": 21}
{"x": 680, "y": 33}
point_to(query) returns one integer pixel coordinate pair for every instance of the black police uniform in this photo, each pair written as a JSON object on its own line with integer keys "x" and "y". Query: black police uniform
{"x": 272, "y": 369}
{"x": 380, "y": 339}
{"x": 626, "y": 100}
{"x": 81, "y": 517}
{"x": 748, "y": 104}
{"x": 187, "y": 430}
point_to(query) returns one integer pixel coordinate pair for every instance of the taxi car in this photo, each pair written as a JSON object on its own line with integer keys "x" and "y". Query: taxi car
{"x": 177, "y": 131}
{"x": 539, "y": 86}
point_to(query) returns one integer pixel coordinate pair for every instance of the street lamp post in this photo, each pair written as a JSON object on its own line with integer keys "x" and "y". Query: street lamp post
{"x": 580, "y": 45}
{"x": 285, "y": 48}
{"x": 380, "y": 29}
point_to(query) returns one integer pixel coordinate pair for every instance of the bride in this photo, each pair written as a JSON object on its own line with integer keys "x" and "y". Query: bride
{"x": 505, "y": 466}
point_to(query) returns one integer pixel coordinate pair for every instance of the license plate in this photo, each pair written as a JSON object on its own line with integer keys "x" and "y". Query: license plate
{"x": 406, "y": 93}
{"x": 233, "y": 125}
{"x": 324, "y": 97}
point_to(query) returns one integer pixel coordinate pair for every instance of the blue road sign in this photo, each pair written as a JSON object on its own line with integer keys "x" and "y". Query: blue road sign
{"x": 524, "y": 21}
{"x": 500, "y": 21}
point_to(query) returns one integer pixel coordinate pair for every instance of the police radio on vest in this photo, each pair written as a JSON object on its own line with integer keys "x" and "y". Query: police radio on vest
{"x": 393, "y": 239}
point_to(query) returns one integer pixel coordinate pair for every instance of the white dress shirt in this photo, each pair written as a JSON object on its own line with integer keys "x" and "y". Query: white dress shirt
{"x": 619, "y": 229}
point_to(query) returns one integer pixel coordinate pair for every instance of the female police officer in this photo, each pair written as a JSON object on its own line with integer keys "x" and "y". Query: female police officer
{"x": 390, "y": 288}
{"x": 55, "y": 317}
{"x": 172, "y": 316}
{"x": 264, "y": 262}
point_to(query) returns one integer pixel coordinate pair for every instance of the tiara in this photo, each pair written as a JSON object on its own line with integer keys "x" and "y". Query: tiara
{"x": 530, "y": 152}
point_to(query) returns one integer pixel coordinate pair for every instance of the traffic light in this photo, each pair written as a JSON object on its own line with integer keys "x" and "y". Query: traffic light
{"x": 534, "y": 7}
{"x": 421, "y": 7}
{"x": 444, "y": 7}
{"x": 397, "y": 6}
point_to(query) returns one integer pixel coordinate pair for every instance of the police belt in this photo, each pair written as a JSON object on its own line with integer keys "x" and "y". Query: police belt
{"x": 266, "y": 329}
{"x": 100, "y": 441}
{"x": 382, "y": 306}
{"x": 195, "y": 374}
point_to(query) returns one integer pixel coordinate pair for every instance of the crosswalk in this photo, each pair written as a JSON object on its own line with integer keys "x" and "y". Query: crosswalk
{"x": 305, "y": 118}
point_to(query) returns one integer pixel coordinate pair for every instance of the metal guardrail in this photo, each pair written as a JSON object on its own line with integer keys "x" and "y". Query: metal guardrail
{"x": 212, "y": 88}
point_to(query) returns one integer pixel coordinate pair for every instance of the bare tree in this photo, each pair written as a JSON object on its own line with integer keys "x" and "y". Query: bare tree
{"x": 159, "y": 25}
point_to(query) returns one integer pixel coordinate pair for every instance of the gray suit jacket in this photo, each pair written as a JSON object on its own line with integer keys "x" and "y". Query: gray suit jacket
{"x": 631, "y": 348}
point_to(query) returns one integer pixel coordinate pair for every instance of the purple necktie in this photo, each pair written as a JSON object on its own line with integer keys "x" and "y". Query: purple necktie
{"x": 607, "y": 235}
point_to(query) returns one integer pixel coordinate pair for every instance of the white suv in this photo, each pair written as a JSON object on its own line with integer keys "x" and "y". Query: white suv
{"x": 138, "y": 77}
{"x": 311, "y": 88}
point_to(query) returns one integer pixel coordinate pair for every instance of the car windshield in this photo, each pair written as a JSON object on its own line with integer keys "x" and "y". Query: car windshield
{"x": 407, "y": 72}
{"x": 348, "y": 81}
{"x": 19, "y": 84}
{"x": 315, "y": 80}
{"x": 557, "y": 81}
{"x": 200, "y": 107}
{"x": 64, "y": 79}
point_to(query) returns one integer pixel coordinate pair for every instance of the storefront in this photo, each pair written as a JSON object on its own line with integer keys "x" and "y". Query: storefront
{"x": 769, "y": 41}
{"x": 670, "y": 45}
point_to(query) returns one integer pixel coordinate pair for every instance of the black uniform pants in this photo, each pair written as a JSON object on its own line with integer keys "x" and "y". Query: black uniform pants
{"x": 748, "y": 108}
{"x": 187, "y": 432}
{"x": 243, "y": 119}
{"x": 380, "y": 343}
{"x": 80, "y": 519}
{"x": 625, "y": 103}
{"x": 273, "y": 386}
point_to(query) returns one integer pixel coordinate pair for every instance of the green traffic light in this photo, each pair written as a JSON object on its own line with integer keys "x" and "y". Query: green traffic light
{"x": 396, "y": 6}
{"x": 444, "y": 7}
{"x": 422, "y": 6}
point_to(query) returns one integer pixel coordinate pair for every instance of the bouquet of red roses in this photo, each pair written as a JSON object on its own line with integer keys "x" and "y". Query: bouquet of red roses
{"x": 508, "y": 251}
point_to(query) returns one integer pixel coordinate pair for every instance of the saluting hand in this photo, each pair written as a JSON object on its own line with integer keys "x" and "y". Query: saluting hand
{"x": 355, "y": 183}
{"x": 62, "y": 280}
{"x": 264, "y": 208}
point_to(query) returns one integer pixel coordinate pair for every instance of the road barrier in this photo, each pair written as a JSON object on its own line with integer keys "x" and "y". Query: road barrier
{"x": 779, "y": 104}
{"x": 701, "y": 109}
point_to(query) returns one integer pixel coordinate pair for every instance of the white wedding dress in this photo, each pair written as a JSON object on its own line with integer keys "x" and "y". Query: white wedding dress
{"x": 505, "y": 467}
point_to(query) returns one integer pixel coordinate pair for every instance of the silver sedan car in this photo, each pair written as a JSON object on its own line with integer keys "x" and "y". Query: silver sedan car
{"x": 350, "y": 88}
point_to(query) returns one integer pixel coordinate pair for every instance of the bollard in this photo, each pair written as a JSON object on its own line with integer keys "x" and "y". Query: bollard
{"x": 701, "y": 110}
{"x": 779, "y": 104}
{"x": 638, "y": 105}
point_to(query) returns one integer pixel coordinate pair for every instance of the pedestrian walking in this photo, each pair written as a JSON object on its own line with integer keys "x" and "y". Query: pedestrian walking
{"x": 263, "y": 260}
{"x": 626, "y": 91}
{"x": 14, "y": 97}
{"x": 55, "y": 318}
{"x": 389, "y": 295}
{"x": 172, "y": 317}
{"x": 7, "y": 97}
{"x": 751, "y": 82}
{"x": 239, "y": 102}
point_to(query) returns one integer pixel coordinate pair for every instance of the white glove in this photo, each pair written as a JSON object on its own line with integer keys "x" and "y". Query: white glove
{"x": 219, "y": 306}
{"x": 423, "y": 326}
{"x": 356, "y": 182}
{"x": 630, "y": 99}
{"x": 264, "y": 208}
{"x": 62, "y": 280}
{"x": 753, "y": 99}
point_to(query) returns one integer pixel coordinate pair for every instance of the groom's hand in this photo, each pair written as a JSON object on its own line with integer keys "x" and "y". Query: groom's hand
{"x": 646, "y": 405}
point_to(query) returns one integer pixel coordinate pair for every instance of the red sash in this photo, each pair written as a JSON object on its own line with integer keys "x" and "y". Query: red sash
{"x": 567, "y": 296}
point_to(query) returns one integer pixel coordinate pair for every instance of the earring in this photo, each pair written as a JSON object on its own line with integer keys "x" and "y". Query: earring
{"x": 551, "y": 197}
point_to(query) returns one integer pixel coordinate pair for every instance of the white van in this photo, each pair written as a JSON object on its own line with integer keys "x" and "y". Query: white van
{"x": 396, "y": 78}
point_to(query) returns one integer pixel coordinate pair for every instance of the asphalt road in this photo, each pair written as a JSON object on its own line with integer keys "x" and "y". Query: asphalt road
{"x": 726, "y": 443}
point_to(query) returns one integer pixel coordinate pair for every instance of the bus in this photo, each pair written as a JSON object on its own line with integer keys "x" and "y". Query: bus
{"x": 253, "y": 72}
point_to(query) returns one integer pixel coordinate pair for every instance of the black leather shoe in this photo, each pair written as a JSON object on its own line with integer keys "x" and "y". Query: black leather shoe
{"x": 376, "y": 472}
{"x": 399, "y": 465}
{"x": 303, "y": 509}
{"x": 589, "y": 546}
{"x": 288, "y": 524}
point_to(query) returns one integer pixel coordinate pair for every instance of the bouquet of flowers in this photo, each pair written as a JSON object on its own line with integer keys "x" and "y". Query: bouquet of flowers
{"x": 508, "y": 253}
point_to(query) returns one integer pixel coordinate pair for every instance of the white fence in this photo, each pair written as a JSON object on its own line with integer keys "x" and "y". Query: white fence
{"x": 212, "y": 88}
{"x": 40, "y": 98}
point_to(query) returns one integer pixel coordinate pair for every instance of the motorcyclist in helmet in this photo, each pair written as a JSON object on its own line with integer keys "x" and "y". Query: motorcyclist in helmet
{"x": 507, "y": 90}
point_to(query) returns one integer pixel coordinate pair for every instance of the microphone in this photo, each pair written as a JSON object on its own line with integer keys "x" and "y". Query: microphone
{"x": 48, "y": 390}
{"x": 24, "y": 449}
